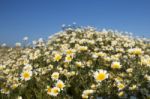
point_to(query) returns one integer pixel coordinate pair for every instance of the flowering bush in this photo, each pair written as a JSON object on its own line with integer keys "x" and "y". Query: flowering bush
{"x": 77, "y": 63}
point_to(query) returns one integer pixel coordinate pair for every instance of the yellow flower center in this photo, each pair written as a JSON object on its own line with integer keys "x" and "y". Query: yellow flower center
{"x": 55, "y": 91}
{"x": 57, "y": 57}
{"x": 49, "y": 90}
{"x": 60, "y": 85}
{"x": 68, "y": 58}
{"x": 78, "y": 64}
{"x": 121, "y": 86}
{"x": 101, "y": 76}
{"x": 69, "y": 52}
{"x": 55, "y": 76}
{"x": 121, "y": 93}
{"x": 116, "y": 66}
{"x": 26, "y": 75}
{"x": 138, "y": 52}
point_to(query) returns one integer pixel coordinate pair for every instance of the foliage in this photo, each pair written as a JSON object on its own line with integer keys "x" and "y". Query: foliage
{"x": 77, "y": 63}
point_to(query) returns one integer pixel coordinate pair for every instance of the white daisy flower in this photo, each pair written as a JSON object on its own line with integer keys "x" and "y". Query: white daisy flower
{"x": 55, "y": 76}
{"x": 100, "y": 75}
{"x": 26, "y": 75}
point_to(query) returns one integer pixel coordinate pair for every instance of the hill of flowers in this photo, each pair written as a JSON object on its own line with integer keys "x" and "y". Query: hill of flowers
{"x": 80, "y": 63}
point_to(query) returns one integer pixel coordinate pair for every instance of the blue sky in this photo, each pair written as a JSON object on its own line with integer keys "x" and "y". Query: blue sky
{"x": 41, "y": 18}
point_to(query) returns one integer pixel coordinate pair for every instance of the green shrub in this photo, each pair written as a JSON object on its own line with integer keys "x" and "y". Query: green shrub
{"x": 77, "y": 63}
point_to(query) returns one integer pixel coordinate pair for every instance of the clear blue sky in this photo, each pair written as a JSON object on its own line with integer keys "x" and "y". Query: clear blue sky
{"x": 40, "y": 18}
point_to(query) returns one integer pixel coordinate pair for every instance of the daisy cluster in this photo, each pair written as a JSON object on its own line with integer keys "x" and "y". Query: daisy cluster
{"x": 77, "y": 63}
